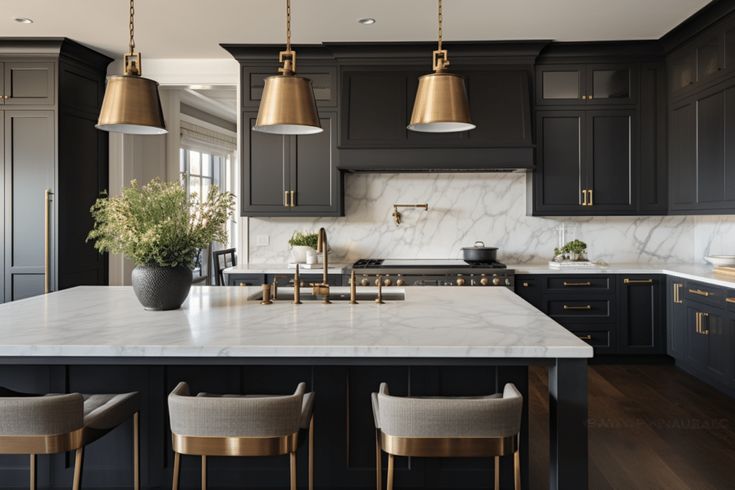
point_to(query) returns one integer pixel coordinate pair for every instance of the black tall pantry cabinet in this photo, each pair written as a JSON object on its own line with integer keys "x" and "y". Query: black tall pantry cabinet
{"x": 53, "y": 165}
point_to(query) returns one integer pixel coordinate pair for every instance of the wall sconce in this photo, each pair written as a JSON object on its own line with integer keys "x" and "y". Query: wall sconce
{"x": 397, "y": 214}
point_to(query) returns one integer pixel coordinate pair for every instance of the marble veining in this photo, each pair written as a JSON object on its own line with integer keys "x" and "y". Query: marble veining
{"x": 229, "y": 321}
{"x": 465, "y": 207}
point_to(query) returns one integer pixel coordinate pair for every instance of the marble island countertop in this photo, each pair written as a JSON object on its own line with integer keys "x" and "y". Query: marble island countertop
{"x": 435, "y": 322}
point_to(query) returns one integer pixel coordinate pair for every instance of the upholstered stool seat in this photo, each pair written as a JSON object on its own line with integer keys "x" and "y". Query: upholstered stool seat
{"x": 54, "y": 423}
{"x": 240, "y": 425}
{"x": 484, "y": 426}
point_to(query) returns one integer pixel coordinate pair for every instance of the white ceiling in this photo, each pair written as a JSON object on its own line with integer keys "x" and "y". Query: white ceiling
{"x": 195, "y": 28}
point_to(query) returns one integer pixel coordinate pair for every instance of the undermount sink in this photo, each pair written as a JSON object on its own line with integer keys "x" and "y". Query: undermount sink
{"x": 339, "y": 293}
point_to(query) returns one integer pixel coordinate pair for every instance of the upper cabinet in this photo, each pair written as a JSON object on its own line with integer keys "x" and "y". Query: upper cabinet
{"x": 589, "y": 84}
{"x": 27, "y": 83}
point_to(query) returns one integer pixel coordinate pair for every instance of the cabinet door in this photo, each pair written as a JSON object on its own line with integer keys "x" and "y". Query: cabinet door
{"x": 265, "y": 171}
{"x": 610, "y": 161}
{"x": 557, "y": 184}
{"x": 641, "y": 314}
{"x": 676, "y": 318}
{"x": 719, "y": 352}
{"x": 710, "y": 58}
{"x": 29, "y": 171}
{"x": 560, "y": 84}
{"x": 711, "y": 150}
{"x": 697, "y": 347}
{"x": 682, "y": 69}
{"x": 611, "y": 84}
{"x": 29, "y": 83}
{"x": 314, "y": 178}
{"x": 683, "y": 157}
{"x": 530, "y": 288}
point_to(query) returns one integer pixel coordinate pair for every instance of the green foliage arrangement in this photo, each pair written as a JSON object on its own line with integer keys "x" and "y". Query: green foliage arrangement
{"x": 304, "y": 239}
{"x": 157, "y": 224}
{"x": 575, "y": 247}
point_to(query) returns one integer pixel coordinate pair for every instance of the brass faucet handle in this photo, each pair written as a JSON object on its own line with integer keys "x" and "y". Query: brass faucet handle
{"x": 353, "y": 288}
{"x": 379, "y": 283}
{"x": 266, "y": 298}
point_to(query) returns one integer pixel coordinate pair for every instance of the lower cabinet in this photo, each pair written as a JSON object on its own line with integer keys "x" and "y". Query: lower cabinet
{"x": 614, "y": 313}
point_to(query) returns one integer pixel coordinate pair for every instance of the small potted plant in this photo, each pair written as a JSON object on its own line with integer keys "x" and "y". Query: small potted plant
{"x": 575, "y": 251}
{"x": 302, "y": 243}
{"x": 161, "y": 229}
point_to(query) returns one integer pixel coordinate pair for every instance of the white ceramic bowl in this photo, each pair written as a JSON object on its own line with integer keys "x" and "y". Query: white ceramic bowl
{"x": 721, "y": 260}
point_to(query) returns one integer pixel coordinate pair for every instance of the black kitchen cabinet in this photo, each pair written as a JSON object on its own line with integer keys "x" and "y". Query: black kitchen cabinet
{"x": 291, "y": 175}
{"x": 586, "y": 84}
{"x": 642, "y": 314}
{"x": 586, "y": 163}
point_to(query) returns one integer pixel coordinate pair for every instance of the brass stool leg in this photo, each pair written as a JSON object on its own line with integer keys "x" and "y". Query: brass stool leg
{"x": 78, "y": 467}
{"x": 33, "y": 472}
{"x": 517, "y": 469}
{"x": 311, "y": 453}
{"x": 378, "y": 462}
{"x": 293, "y": 470}
{"x": 497, "y": 472}
{"x": 136, "y": 451}
{"x": 390, "y": 472}
{"x": 204, "y": 473}
{"x": 177, "y": 471}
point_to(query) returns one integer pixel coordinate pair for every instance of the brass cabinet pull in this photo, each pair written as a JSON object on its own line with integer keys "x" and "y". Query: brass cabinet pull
{"x": 584, "y": 197}
{"x": 525, "y": 285}
{"x": 574, "y": 284}
{"x": 285, "y": 199}
{"x": 585, "y": 337}
{"x": 677, "y": 293}
{"x": 47, "y": 241}
{"x": 637, "y": 281}
{"x": 730, "y": 300}
{"x": 293, "y": 199}
{"x": 699, "y": 323}
{"x": 699, "y": 292}
{"x": 585, "y": 307}
{"x": 592, "y": 201}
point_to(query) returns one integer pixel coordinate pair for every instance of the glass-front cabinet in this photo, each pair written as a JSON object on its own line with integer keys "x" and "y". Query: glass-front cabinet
{"x": 585, "y": 84}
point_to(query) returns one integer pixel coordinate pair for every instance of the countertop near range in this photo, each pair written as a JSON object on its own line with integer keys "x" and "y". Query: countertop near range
{"x": 284, "y": 269}
{"x": 436, "y": 322}
{"x": 695, "y": 272}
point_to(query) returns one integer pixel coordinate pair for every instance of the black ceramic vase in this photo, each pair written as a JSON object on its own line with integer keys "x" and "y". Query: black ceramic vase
{"x": 161, "y": 288}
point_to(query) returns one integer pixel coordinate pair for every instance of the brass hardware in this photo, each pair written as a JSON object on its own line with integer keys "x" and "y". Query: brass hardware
{"x": 47, "y": 241}
{"x": 701, "y": 317}
{"x": 585, "y": 337}
{"x": 484, "y": 280}
{"x": 387, "y": 282}
{"x": 297, "y": 286}
{"x": 460, "y": 281}
{"x": 266, "y": 300}
{"x": 699, "y": 292}
{"x": 584, "y": 197}
{"x": 576, "y": 284}
{"x": 585, "y": 307}
{"x": 285, "y": 200}
{"x": 42, "y": 444}
{"x": 323, "y": 248}
{"x": 131, "y": 103}
{"x": 496, "y": 281}
{"x": 379, "y": 283}
{"x": 293, "y": 198}
{"x": 234, "y": 446}
{"x": 397, "y": 214}
{"x": 364, "y": 281}
{"x": 353, "y": 289}
{"x": 730, "y": 300}
{"x": 400, "y": 281}
{"x": 444, "y": 447}
{"x": 677, "y": 293}
{"x": 288, "y": 105}
{"x": 525, "y": 284}
{"x": 637, "y": 281}
{"x": 441, "y": 104}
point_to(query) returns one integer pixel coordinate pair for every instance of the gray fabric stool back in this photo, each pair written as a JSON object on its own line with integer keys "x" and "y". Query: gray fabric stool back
{"x": 485, "y": 426}
{"x": 49, "y": 424}
{"x": 239, "y": 425}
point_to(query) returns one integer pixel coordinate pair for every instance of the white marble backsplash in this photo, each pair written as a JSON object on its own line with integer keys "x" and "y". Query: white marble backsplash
{"x": 464, "y": 207}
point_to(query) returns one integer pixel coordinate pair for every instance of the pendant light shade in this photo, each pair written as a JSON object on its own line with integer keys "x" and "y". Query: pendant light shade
{"x": 131, "y": 104}
{"x": 441, "y": 104}
{"x": 288, "y": 106}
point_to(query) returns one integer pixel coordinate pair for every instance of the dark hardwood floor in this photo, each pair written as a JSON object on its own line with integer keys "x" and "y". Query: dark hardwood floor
{"x": 651, "y": 427}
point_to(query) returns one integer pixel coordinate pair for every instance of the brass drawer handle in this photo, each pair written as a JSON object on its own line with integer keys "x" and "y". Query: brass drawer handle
{"x": 730, "y": 300}
{"x": 699, "y": 323}
{"x": 584, "y": 197}
{"x": 525, "y": 285}
{"x": 677, "y": 294}
{"x": 293, "y": 198}
{"x": 285, "y": 199}
{"x": 699, "y": 292}
{"x": 637, "y": 281}
{"x": 585, "y": 307}
{"x": 572, "y": 284}
{"x": 585, "y": 337}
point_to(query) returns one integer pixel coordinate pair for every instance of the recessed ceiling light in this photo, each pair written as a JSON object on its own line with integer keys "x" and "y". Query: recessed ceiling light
{"x": 23, "y": 20}
{"x": 366, "y": 21}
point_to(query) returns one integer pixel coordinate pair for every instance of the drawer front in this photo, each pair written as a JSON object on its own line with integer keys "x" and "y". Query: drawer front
{"x": 601, "y": 340}
{"x": 530, "y": 288}
{"x": 586, "y": 282}
{"x": 583, "y": 309}
{"x": 704, "y": 293}
{"x": 245, "y": 279}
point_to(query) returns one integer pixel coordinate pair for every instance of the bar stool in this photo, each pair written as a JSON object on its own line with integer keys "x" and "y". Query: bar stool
{"x": 48, "y": 424}
{"x": 240, "y": 425}
{"x": 448, "y": 427}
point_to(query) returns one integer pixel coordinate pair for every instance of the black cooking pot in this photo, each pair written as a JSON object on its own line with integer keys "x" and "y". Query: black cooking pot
{"x": 479, "y": 254}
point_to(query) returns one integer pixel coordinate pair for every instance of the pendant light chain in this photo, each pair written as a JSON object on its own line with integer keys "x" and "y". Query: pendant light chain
{"x": 439, "y": 10}
{"x": 132, "y": 26}
{"x": 288, "y": 25}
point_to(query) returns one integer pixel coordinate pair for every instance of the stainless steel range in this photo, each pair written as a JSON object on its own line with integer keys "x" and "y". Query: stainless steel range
{"x": 432, "y": 272}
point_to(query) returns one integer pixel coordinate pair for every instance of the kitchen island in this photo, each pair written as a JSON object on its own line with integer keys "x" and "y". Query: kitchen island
{"x": 434, "y": 341}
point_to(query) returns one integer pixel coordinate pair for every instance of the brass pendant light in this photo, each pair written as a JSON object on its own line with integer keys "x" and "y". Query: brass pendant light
{"x": 441, "y": 99}
{"x": 131, "y": 104}
{"x": 288, "y": 105}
